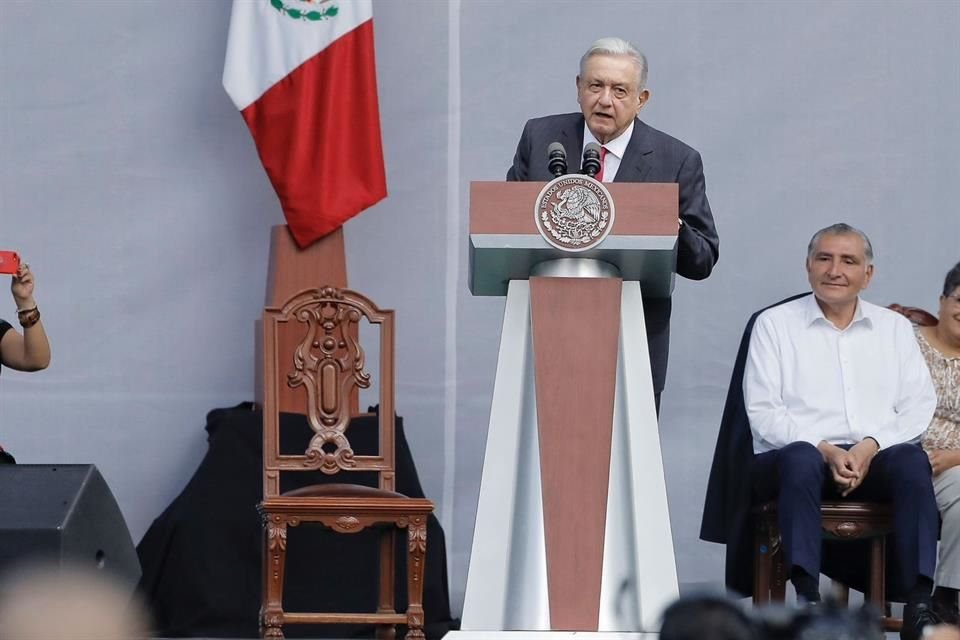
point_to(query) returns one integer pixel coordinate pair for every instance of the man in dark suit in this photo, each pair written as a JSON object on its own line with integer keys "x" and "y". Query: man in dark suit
{"x": 611, "y": 91}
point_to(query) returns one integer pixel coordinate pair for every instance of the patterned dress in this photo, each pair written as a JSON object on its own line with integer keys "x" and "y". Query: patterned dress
{"x": 944, "y": 433}
{"x": 944, "y": 429}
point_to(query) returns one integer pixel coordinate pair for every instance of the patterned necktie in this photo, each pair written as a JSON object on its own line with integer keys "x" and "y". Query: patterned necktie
{"x": 603, "y": 157}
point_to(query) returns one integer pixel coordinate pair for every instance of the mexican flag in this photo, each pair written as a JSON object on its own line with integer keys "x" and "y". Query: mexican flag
{"x": 302, "y": 74}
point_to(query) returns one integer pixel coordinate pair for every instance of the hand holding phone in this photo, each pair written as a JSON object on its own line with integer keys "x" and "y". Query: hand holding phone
{"x": 9, "y": 262}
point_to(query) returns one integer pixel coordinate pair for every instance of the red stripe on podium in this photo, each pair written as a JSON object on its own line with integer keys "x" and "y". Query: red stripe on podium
{"x": 576, "y": 330}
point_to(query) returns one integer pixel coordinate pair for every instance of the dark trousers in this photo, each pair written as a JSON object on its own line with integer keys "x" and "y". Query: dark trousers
{"x": 800, "y": 480}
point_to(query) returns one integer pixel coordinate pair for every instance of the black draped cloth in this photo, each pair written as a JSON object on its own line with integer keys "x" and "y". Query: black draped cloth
{"x": 201, "y": 557}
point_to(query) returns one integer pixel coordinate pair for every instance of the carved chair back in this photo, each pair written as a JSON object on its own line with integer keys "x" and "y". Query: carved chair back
{"x": 916, "y": 315}
{"x": 328, "y": 365}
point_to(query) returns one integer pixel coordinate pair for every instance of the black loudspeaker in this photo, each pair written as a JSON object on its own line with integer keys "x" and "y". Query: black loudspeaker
{"x": 64, "y": 514}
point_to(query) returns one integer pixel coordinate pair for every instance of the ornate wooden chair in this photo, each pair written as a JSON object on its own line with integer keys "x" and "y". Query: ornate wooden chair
{"x": 326, "y": 362}
{"x": 841, "y": 521}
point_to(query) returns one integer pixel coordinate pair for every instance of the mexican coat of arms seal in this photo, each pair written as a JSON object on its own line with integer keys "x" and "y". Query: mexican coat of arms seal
{"x": 574, "y": 212}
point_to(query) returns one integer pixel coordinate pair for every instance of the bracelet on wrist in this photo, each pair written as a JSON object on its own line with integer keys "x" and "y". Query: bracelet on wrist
{"x": 28, "y": 317}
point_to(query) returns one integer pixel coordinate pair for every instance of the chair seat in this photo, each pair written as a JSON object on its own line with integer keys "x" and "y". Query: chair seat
{"x": 856, "y": 520}
{"x": 342, "y": 490}
{"x": 847, "y": 520}
{"x": 351, "y": 511}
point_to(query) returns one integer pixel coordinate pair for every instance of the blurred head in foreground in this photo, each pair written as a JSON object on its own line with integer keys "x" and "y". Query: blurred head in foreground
{"x": 705, "y": 617}
{"x": 46, "y": 602}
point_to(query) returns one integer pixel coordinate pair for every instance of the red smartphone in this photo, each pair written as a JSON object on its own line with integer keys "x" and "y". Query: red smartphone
{"x": 9, "y": 262}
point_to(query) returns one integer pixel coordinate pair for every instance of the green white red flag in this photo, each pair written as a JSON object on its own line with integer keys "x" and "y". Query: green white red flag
{"x": 303, "y": 75}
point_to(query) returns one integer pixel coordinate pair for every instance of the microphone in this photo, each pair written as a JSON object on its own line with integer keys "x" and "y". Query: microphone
{"x": 591, "y": 159}
{"x": 557, "y": 159}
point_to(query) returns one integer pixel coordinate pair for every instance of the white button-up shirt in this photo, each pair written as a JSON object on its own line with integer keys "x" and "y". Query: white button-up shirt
{"x": 805, "y": 380}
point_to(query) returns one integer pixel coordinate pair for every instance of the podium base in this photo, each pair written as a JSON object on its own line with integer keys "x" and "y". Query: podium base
{"x": 507, "y": 581}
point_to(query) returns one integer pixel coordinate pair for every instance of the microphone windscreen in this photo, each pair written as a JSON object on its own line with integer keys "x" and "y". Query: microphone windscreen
{"x": 591, "y": 159}
{"x": 556, "y": 159}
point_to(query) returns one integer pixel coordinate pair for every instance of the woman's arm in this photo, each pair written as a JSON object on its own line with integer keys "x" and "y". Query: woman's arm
{"x": 29, "y": 351}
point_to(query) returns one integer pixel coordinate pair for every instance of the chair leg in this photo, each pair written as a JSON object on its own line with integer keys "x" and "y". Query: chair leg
{"x": 877, "y": 592}
{"x": 388, "y": 573}
{"x": 761, "y": 565}
{"x": 416, "y": 558}
{"x": 878, "y": 595}
{"x": 778, "y": 583}
{"x": 274, "y": 562}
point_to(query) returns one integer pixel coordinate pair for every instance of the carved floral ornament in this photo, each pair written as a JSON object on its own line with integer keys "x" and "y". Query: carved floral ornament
{"x": 272, "y": 621}
{"x": 848, "y": 529}
{"x": 347, "y": 524}
{"x": 276, "y": 534}
{"x": 417, "y": 535}
{"x": 328, "y": 363}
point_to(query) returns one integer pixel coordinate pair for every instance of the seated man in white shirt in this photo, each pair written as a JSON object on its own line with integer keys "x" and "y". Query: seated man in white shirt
{"x": 837, "y": 394}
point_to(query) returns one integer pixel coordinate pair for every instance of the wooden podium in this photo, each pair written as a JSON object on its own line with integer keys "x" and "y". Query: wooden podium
{"x": 572, "y": 532}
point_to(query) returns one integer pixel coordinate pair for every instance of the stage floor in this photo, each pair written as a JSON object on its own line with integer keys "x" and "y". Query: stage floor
{"x": 504, "y": 635}
{"x": 528, "y": 635}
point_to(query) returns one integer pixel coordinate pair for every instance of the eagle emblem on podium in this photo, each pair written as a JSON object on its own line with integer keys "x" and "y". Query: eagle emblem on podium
{"x": 574, "y": 212}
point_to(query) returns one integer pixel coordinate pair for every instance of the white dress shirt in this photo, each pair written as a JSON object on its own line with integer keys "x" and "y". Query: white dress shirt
{"x": 805, "y": 380}
{"x": 615, "y": 150}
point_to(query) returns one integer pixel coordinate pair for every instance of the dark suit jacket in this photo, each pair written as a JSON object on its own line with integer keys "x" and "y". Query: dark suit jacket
{"x": 727, "y": 517}
{"x": 651, "y": 156}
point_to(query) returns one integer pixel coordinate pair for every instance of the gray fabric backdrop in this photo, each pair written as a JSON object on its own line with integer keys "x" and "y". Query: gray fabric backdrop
{"x": 130, "y": 183}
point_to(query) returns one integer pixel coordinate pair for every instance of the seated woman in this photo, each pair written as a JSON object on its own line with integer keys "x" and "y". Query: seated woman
{"x": 940, "y": 346}
{"x": 30, "y": 350}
